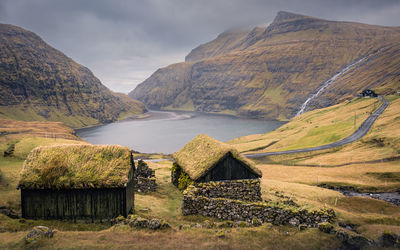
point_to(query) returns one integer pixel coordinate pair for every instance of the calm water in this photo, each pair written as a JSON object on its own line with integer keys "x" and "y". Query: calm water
{"x": 167, "y": 132}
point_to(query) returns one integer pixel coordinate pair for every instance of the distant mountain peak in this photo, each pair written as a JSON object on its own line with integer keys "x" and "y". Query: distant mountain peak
{"x": 284, "y": 16}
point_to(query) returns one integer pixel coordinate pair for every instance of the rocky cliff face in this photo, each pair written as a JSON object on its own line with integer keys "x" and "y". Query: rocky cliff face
{"x": 269, "y": 72}
{"x": 38, "y": 82}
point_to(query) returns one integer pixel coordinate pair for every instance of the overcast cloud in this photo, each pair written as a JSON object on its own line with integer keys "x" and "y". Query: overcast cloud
{"x": 123, "y": 41}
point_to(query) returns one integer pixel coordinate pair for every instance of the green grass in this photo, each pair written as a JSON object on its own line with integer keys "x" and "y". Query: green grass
{"x": 19, "y": 113}
{"x": 77, "y": 166}
{"x": 10, "y": 169}
{"x": 25, "y": 145}
{"x": 385, "y": 176}
{"x": 188, "y": 106}
{"x": 165, "y": 203}
{"x": 14, "y": 225}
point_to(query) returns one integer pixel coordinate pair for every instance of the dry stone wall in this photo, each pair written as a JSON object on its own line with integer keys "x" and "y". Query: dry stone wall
{"x": 145, "y": 178}
{"x": 203, "y": 199}
{"x": 246, "y": 190}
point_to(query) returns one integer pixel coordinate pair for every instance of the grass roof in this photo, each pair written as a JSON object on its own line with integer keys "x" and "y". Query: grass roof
{"x": 203, "y": 152}
{"x": 76, "y": 166}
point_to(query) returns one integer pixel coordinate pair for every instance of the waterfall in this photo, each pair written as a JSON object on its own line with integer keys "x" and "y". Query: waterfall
{"x": 333, "y": 78}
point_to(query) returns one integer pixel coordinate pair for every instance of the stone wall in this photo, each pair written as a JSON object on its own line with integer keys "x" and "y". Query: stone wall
{"x": 175, "y": 174}
{"x": 145, "y": 178}
{"x": 144, "y": 185}
{"x": 246, "y": 190}
{"x": 203, "y": 199}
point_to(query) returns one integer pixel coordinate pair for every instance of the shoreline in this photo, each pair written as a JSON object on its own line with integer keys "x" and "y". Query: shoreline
{"x": 223, "y": 114}
{"x": 172, "y": 115}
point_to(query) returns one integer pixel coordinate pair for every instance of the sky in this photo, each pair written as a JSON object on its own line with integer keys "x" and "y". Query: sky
{"x": 123, "y": 42}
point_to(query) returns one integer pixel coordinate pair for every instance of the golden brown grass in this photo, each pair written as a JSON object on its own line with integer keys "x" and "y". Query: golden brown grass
{"x": 314, "y": 128}
{"x": 380, "y": 144}
{"x": 268, "y": 78}
{"x": 25, "y": 145}
{"x": 166, "y": 203}
{"x": 28, "y": 135}
{"x": 47, "y": 129}
{"x": 357, "y": 175}
{"x": 10, "y": 170}
{"x": 76, "y": 166}
{"x": 297, "y": 182}
{"x": 368, "y": 165}
{"x": 254, "y": 238}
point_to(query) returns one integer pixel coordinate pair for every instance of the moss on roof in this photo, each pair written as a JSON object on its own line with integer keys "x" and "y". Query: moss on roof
{"x": 76, "y": 166}
{"x": 203, "y": 152}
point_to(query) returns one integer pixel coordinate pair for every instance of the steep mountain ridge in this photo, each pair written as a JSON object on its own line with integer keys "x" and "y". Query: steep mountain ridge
{"x": 269, "y": 72}
{"x": 38, "y": 82}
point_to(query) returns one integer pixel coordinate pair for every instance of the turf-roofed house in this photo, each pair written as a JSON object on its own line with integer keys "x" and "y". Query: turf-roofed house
{"x": 77, "y": 182}
{"x": 205, "y": 159}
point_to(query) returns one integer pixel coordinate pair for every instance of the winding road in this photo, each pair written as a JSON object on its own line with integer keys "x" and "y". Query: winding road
{"x": 360, "y": 132}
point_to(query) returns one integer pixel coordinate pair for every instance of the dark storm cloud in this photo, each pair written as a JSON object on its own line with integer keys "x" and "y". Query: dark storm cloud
{"x": 123, "y": 42}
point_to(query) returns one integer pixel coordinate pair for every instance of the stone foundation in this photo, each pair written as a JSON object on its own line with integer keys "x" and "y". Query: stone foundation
{"x": 245, "y": 190}
{"x": 205, "y": 199}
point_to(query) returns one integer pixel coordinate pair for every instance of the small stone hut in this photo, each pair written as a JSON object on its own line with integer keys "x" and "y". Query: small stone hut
{"x": 205, "y": 159}
{"x": 77, "y": 182}
{"x": 368, "y": 93}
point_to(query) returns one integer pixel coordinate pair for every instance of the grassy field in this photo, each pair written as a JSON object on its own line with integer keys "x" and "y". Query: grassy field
{"x": 371, "y": 164}
{"x": 165, "y": 203}
{"x": 327, "y": 125}
{"x": 373, "y": 216}
{"x": 360, "y": 164}
{"x": 314, "y": 128}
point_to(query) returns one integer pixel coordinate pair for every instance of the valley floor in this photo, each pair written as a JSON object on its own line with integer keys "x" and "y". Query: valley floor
{"x": 367, "y": 165}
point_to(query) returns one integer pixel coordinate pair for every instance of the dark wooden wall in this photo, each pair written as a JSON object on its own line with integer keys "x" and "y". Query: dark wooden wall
{"x": 228, "y": 168}
{"x": 78, "y": 204}
{"x": 130, "y": 197}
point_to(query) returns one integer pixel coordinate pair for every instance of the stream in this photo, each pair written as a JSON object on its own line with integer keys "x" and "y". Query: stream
{"x": 331, "y": 80}
{"x": 391, "y": 197}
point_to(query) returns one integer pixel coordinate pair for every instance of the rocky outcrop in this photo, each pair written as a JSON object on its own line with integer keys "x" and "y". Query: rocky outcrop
{"x": 38, "y": 82}
{"x": 135, "y": 221}
{"x": 351, "y": 241}
{"x": 269, "y": 72}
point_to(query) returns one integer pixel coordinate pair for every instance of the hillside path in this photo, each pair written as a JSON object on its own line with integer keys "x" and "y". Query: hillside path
{"x": 360, "y": 132}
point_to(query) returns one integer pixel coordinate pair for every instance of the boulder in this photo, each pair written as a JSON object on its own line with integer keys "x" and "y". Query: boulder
{"x": 342, "y": 235}
{"x": 9, "y": 151}
{"x": 357, "y": 242}
{"x": 154, "y": 224}
{"x": 9, "y": 212}
{"x": 256, "y": 222}
{"x": 325, "y": 227}
{"x": 388, "y": 239}
{"x": 38, "y": 233}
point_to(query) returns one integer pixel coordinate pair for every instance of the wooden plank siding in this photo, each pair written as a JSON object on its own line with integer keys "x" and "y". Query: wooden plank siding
{"x": 228, "y": 168}
{"x": 78, "y": 204}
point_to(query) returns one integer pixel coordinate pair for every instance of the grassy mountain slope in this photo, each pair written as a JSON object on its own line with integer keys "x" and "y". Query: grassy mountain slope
{"x": 38, "y": 82}
{"x": 323, "y": 126}
{"x": 269, "y": 72}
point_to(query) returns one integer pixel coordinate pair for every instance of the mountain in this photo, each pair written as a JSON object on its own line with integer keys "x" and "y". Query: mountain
{"x": 38, "y": 82}
{"x": 270, "y": 72}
